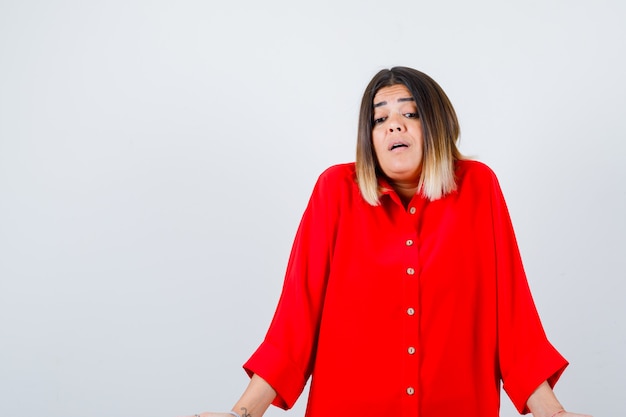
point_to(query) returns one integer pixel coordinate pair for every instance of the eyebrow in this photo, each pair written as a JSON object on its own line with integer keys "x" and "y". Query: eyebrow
{"x": 400, "y": 100}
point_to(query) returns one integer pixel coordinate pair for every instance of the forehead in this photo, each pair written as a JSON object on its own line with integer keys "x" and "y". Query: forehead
{"x": 391, "y": 94}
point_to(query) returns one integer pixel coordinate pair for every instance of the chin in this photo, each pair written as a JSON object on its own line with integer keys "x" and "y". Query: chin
{"x": 400, "y": 174}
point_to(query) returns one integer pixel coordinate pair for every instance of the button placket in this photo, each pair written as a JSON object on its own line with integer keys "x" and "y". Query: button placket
{"x": 410, "y": 380}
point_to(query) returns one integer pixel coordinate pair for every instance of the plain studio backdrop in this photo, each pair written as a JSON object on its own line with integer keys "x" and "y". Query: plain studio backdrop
{"x": 156, "y": 157}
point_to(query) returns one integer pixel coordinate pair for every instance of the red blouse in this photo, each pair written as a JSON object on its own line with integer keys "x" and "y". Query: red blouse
{"x": 395, "y": 311}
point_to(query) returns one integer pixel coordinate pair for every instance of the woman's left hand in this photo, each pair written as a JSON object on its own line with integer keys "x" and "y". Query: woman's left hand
{"x": 569, "y": 414}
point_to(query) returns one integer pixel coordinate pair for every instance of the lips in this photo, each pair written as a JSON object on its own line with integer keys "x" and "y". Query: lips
{"x": 398, "y": 144}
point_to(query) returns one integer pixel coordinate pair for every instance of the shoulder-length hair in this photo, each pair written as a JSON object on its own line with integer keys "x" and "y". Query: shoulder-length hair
{"x": 440, "y": 130}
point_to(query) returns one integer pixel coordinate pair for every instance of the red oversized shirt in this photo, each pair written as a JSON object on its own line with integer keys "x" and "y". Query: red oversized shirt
{"x": 395, "y": 311}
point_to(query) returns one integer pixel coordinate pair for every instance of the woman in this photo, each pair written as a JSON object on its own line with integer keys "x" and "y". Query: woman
{"x": 405, "y": 293}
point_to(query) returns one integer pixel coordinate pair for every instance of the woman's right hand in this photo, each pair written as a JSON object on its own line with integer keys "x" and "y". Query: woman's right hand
{"x": 254, "y": 402}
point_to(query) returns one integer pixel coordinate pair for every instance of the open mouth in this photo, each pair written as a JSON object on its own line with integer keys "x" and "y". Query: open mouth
{"x": 398, "y": 145}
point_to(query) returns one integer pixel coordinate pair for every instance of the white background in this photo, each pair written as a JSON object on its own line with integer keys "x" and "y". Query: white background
{"x": 155, "y": 159}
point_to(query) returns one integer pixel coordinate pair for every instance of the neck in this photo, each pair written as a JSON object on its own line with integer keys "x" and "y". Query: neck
{"x": 405, "y": 190}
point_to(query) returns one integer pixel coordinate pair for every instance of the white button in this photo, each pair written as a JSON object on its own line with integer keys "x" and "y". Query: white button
{"x": 409, "y": 242}
{"x": 410, "y": 271}
{"x": 412, "y": 210}
{"x": 411, "y": 350}
{"x": 410, "y": 391}
{"x": 410, "y": 311}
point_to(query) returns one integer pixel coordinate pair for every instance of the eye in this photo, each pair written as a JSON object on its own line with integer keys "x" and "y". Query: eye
{"x": 379, "y": 120}
{"x": 411, "y": 115}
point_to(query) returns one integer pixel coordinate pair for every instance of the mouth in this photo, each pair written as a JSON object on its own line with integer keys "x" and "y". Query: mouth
{"x": 396, "y": 145}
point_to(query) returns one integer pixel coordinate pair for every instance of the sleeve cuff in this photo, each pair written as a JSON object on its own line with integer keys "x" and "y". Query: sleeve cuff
{"x": 522, "y": 381}
{"x": 279, "y": 371}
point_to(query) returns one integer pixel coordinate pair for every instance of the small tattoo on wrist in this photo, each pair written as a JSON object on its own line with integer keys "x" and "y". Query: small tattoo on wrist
{"x": 244, "y": 412}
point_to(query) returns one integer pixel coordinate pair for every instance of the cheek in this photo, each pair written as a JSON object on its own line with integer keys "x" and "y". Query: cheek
{"x": 377, "y": 141}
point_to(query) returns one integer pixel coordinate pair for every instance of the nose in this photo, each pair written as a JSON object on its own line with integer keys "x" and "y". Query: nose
{"x": 396, "y": 124}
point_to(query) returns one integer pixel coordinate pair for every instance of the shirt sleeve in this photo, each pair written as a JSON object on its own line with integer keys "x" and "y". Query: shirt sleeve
{"x": 285, "y": 358}
{"x": 526, "y": 357}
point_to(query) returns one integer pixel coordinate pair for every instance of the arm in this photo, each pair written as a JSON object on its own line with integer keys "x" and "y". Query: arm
{"x": 543, "y": 403}
{"x": 286, "y": 360}
{"x": 255, "y": 399}
{"x": 253, "y": 403}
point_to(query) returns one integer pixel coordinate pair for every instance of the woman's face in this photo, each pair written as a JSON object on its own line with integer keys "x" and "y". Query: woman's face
{"x": 397, "y": 134}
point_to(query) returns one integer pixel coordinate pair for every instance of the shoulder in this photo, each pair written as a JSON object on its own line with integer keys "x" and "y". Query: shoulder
{"x": 474, "y": 172}
{"x": 338, "y": 176}
{"x": 468, "y": 167}
{"x": 337, "y": 186}
{"x": 339, "y": 172}
{"x": 476, "y": 179}
{"x": 334, "y": 190}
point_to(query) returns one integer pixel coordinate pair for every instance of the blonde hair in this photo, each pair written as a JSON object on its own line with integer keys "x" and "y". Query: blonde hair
{"x": 439, "y": 124}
